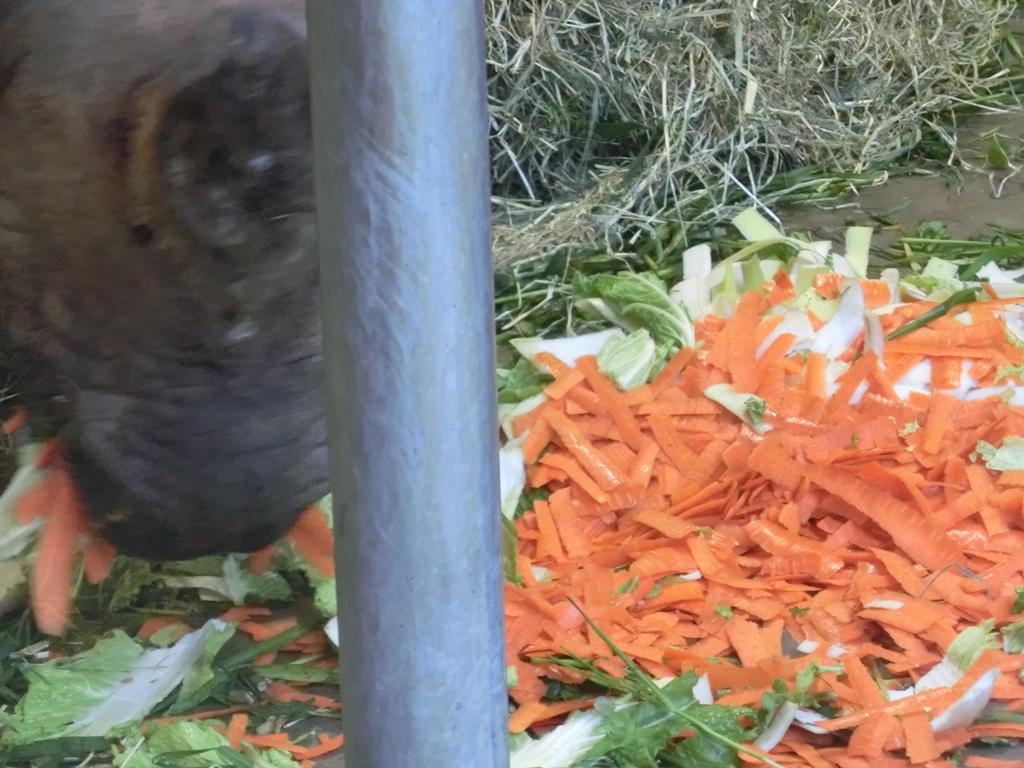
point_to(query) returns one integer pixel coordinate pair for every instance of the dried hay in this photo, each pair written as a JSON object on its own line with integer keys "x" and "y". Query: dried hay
{"x": 612, "y": 114}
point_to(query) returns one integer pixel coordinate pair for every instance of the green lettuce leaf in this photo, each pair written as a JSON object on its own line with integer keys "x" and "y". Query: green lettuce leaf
{"x": 520, "y": 382}
{"x": 631, "y": 361}
{"x": 635, "y": 301}
{"x": 200, "y": 672}
{"x": 1013, "y": 637}
{"x": 115, "y": 683}
{"x": 234, "y": 581}
{"x": 193, "y": 744}
{"x": 1007, "y": 457}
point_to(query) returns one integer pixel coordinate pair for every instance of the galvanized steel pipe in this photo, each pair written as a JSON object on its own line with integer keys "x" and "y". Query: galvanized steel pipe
{"x": 403, "y": 217}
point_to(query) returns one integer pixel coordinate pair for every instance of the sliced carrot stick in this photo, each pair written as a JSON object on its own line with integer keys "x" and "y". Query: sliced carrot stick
{"x": 867, "y": 690}
{"x": 237, "y": 726}
{"x": 540, "y": 435}
{"x": 598, "y": 466}
{"x": 570, "y": 532}
{"x": 746, "y": 639}
{"x": 266, "y": 630}
{"x": 869, "y": 738}
{"x": 742, "y": 366}
{"x": 314, "y": 541}
{"x": 262, "y": 560}
{"x": 154, "y": 624}
{"x": 58, "y": 546}
{"x": 97, "y": 558}
{"x": 243, "y": 613}
{"x": 550, "y": 543}
{"x": 37, "y": 500}
{"x": 918, "y": 702}
{"x": 613, "y": 401}
{"x": 912, "y": 533}
{"x": 938, "y": 421}
{"x": 536, "y": 711}
{"x": 279, "y": 691}
{"x": 946, "y": 373}
{"x": 324, "y": 748}
{"x": 668, "y": 438}
{"x": 876, "y": 293}
{"x": 981, "y": 761}
{"x": 850, "y": 381}
{"x": 563, "y": 383}
{"x": 555, "y": 366}
{"x": 573, "y": 470}
{"x": 15, "y": 421}
{"x": 921, "y": 745}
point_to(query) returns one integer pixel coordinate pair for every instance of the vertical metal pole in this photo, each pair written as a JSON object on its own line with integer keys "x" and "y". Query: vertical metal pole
{"x": 403, "y": 212}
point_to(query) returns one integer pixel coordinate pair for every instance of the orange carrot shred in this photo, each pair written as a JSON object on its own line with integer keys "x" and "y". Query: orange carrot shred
{"x": 744, "y": 342}
{"x": 237, "y": 726}
{"x": 938, "y": 421}
{"x": 50, "y": 585}
{"x": 97, "y": 557}
{"x": 921, "y": 745}
{"x": 312, "y": 538}
{"x": 549, "y": 544}
{"x": 324, "y": 748}
{"x": 613, "y": 401}
{"x": 598, "y": 466}
{"x": 262, "y": 560}
{"x": 15, "y": 421}
{"x": 553, "y": 364}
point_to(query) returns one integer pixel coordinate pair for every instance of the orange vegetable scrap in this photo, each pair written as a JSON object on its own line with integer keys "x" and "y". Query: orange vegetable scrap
{"x": 861, "y": 526}
{"x": 65, "y": 535}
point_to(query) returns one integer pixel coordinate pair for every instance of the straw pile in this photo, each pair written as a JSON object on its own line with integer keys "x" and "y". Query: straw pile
{"x": 611, "y": 115}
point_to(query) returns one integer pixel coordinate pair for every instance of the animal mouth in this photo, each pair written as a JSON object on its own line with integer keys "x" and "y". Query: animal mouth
{"x": 228, "y": 471}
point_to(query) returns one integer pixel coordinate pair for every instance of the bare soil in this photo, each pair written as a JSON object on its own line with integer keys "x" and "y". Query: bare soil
{"x": 966, "y": 202}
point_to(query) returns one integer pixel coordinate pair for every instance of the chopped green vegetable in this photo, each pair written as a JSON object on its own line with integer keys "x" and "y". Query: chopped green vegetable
{"x": 521, "y": 382}
{"x": 1007, "y": 457}
{"x": 996, "y": 156}
{"x": 745, "y": 405}
{"x": 631, "y": 361}
{"x": 568, "y": 349}
{"x": 1008, "y": 371}
{"x": 15, "y": 537}
{"x": 638, "y": 301}
{"x": 509, "y": 547}
{"x": 755, "y": 410}
{"x": 755, "y": 227}
{"x": 960, "y": 655}
{"x": 858, "y": 248}
{"x": 115, "y": 683}
{"x": 1018, "y": 603}
{"x": 1013, "y": 637}
{"x": 627, "y": 586}
{"x": 191, "y": 744}
{"x": 235, "y": 582}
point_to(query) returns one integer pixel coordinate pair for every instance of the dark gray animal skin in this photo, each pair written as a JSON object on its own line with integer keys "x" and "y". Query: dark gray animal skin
{"x": 157, "y": 250}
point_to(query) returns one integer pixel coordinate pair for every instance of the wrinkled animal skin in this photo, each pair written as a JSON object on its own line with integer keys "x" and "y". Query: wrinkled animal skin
{"x": 157, "y": 250}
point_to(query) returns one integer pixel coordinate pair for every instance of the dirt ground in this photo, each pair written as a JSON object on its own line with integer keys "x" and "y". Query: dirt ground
{"x": 981, "y": 196}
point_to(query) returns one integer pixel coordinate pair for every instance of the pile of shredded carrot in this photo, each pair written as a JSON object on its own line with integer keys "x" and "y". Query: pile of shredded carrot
{"x": 697, "y": 544}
